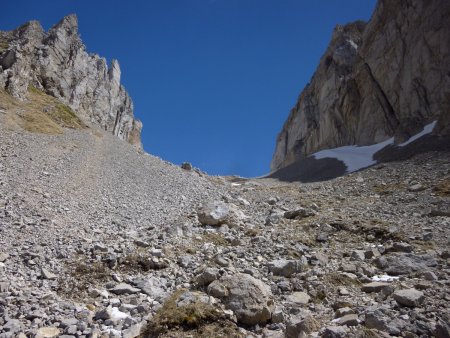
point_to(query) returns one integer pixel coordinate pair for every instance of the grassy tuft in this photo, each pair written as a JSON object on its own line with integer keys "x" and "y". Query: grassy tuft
{"x": 388, "y": 189}
{"x": 82, "y": 276}
{"x": 335, "y": 278}
{"x": 193, "y": 320}
{"x": 215, "y": 238}
{"x": 443, "y": 188}
{"x": 40, "y": 113}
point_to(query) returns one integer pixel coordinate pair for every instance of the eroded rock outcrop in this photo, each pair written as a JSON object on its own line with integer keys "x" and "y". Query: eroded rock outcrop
{"x": 57, "y": 63}
{"x": 386, "y": 78}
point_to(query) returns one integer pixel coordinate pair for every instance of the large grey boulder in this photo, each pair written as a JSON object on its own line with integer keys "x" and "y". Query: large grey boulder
{"x": 218, "y": 213}
{"x": 405, "y": 263}
{"x": 249, "y": 298}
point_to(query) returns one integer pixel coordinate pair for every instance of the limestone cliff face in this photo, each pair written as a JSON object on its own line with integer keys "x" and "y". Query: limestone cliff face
{"x": 388, "y": 77}
{"x": 57, "y": 63}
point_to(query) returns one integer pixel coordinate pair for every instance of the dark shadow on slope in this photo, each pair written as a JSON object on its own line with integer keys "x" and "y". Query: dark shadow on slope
{"x": 310, "y": 170}
{"x": 422, "y": 145}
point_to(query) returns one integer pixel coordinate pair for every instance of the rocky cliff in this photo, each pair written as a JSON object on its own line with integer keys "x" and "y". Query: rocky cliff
{"x": 388, "y": 77}
{"x": 57, "y": 63}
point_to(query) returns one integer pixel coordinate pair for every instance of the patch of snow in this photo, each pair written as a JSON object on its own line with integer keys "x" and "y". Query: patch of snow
{"x": 426, "y": 130}
{"x": 352, "y": 43}
{"x": 116, "y": 314}
{"x": 235, "y": 184}
{"x": 384, "y": 278}
{"x": 354, "y": 157}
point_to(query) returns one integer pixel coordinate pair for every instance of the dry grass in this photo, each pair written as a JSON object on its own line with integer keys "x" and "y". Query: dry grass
{"x": 335, "y": 278}
{"x": 193, "y": 320}
{"x": 4, "y": 44}
{"x": 40, "y": 113}
{"x": 389, "y": 188}
{"x": 82, "y": 276}
{"x": 215, "y": 238}
{"x": 443, "y": 187}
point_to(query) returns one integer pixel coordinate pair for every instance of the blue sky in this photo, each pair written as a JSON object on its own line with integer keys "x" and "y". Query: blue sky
{"x": 212, "y": 80}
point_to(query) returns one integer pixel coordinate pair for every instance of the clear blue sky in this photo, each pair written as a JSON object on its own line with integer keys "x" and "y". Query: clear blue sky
{"x": 212, "y": 80}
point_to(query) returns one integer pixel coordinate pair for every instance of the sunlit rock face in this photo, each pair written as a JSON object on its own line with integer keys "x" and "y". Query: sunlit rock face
{"x": 57, "y": 63}
{"x": 388, "y": 77}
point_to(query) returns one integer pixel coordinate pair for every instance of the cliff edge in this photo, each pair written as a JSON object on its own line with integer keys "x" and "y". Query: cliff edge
{"x": 57, "y": 63}
{"x": 388, "y": 77}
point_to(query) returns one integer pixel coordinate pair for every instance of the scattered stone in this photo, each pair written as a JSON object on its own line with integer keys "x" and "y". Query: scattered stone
{"x": 348, "y": 320}
{"x": 141, "y": 243}
{"x": 47, "y": 332}
{"x": 47, "y": 274}
{"x": 123, "y": 288}
{"x": 375, "y": 287}
{"x": 299, "y": 298}
{"x": 335, "y": 332}
{"x": 283, "y": 267}
{"x": 416, "y": 187}
{"x": 409, "y": 297}
{"x": 207, "y": 276}
{"x": 299, "y": 213}
{"x": 301, "y": 325}
{"x": 3, "y": 257}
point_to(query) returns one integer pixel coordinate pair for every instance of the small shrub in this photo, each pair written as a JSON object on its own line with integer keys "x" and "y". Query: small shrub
{"x": 335, "y": 278}
{"x": 215, "y": 238}
{"x": 187, "y": 317}
{"x": 82, "y": 276}
{"x": 443, "y": 188}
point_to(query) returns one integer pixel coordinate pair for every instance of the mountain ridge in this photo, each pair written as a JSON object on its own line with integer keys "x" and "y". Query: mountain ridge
{"x": 57, "y": 63}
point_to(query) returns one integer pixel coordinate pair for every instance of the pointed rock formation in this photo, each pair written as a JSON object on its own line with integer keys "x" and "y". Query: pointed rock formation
{"x": 57, "y": 63}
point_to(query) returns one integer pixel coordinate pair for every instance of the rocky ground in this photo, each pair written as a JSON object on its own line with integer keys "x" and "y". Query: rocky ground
{"x": 98, "y": 239}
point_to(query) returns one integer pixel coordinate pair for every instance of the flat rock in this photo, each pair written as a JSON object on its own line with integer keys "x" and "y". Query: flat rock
{"x": 348, "y": 320}
{"x": 47, "y": 332}
{"x": 300, "y": 298}
{"x": 47, "y": 274}
{"x": 405, "y": 263}
{"x": 3, "y": 257}
{"x": 124, "y": 288}
{"x": 409, "y": 297}
{"x": 374, "y": 286}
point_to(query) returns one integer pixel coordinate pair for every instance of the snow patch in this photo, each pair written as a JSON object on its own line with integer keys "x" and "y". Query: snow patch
{"x": 384, "y": 278}
{"x": 355, "y": 157}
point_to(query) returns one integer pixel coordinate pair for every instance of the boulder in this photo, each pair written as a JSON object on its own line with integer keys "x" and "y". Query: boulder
{"x": 409, "y": 297}
{"x": 249, "y": 298}
{"x": 405, "y": 263}
{"x": 284, "y": 267}
{"x": 301, "y": 325}
{"x": 218, "y": 213}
